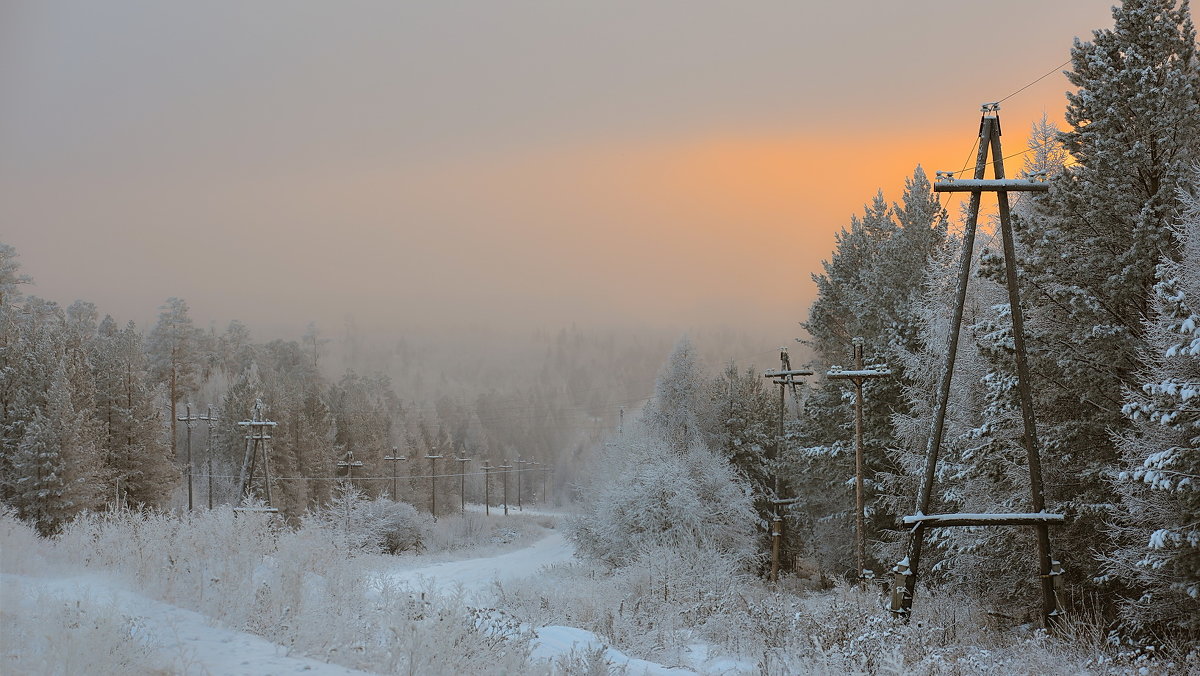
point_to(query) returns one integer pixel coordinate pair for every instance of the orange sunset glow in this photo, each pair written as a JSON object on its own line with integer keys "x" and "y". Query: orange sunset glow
{"x": 539, "y": 166}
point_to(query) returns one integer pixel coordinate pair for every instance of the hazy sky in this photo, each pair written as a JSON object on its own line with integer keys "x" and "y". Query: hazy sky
{"x": 441, "y": 163}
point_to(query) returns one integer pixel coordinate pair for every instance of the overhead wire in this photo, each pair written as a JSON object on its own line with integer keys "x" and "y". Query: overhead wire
{"x": 1002, "y": 100}
{"x": 1043, "y": 77}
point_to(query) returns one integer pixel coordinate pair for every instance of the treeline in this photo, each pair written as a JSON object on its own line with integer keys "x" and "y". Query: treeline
{"x": 90, "y": 410}
{"x": 1109, "y": 274}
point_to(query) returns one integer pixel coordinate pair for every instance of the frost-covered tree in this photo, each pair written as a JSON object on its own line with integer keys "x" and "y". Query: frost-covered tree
{"x": 367, "y": 416}
{"x": 134, "y": 442}
{"x": 57, "y": 463}
{"x": 362, "y": 526}
{"x": 1046, "y": 153}
{"x": 302, "y": 443}
{"x": 10, "y": 276}
{"x": 871, "y": 287}
{"x": 650, "y": 495}
{"x": 1089, "y": 248}
{"x": 739, "y": 421}
{"x": 174, "y": 349}
{"x": 1157, "y": 522}
{"x": 678, "y": 398}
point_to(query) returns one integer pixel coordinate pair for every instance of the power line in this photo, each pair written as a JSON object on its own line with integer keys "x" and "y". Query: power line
{"x": 1039, "y": 146}
{"x": 1048, "y": 74}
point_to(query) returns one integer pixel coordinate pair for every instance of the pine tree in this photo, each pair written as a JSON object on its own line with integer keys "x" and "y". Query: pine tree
{"x": 57, "y": 460}
{"x": 134, "y": 443}
{"x": 673, "y": 412}
{"x": 1157, "y": 523}
{"x": 1090, "y": 247}
{"x": 739, "y": 424}
{"x": 871, "y": 287}
{"x": 173, "y": 346}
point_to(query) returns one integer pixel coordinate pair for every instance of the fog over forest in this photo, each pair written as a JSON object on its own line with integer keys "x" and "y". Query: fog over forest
{"x": 615, "y": 338}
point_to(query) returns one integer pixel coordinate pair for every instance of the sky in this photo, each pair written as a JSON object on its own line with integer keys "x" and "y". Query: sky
{"x": 664, "y": 164}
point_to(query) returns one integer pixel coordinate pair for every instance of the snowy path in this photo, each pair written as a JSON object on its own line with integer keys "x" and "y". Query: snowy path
{"x": 475, "y": 576}
{"x": 184, "y": 639}
{"x": 191, "y": 644}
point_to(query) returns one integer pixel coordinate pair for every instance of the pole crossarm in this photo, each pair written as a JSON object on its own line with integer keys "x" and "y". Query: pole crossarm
{"x": 990, "y": 185}
{"x": 785, "y": 374}
{"x": 1003, "y": 519}
{"x": 863, "y": 374}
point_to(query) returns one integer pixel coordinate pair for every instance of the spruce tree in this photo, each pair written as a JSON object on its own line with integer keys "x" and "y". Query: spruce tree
{"x": 1089, "y": 248}
{"x": 1157, "y": 522}
{"x": 871, "y": 287}
{"x": 174, "y": 349}
{"x": 134, "y": 441}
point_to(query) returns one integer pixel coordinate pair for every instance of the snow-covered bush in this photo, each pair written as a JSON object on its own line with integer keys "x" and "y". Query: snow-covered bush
{"x": 361, "y": 525}
{"x": 650, "y": 497}
{"x": 297, "y": 588}
{"x": 23, "y": 548}
{"x": 101, "y": 639}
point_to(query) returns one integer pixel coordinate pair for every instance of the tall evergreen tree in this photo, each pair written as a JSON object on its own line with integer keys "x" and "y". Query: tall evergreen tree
{"x": 174, "y": 349}
{"x": 1157, "y": 523}
{"x": 57, "y": 460}
{"x": 871, "y": 287}
{"x": 134, "y": 440}
{"x": 678, "y": 397}
{"x": 1089, "y": 248}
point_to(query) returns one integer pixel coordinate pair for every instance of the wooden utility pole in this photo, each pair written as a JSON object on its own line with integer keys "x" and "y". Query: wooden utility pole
{"x": 462, "y": 483}
{"x": 187, "y": 420}
{"x": 208, "y": 419}
{"x": 487, "y": 487}
{"x": 504, "y": 474}
{"x": 256, "y": 445}
{"x": 858, "y": 376}
{"x": 433, "y": 482}
{"x": 394, "y": 458}
{"x": 784, "y": 377}
{"x": 520, "y": 470}
{"x": 906, "y": 570}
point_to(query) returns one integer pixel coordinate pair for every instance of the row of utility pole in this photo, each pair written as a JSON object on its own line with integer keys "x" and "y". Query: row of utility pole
{"x": 254, "y": 465}
{"x": 785, "y": 377}
{"x": 348, "y": 464}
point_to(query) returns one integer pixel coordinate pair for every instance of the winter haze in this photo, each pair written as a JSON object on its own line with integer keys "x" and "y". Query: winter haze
{"x": 516, "y": 165}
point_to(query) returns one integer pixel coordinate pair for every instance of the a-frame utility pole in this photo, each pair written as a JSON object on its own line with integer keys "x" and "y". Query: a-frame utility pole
{"x": 784, "y": 377}
{"x": 858, "y": 376}
{"x": 347, "y": 464}
{"x": 906, "y": 570}
{"x": 256, "y": 445}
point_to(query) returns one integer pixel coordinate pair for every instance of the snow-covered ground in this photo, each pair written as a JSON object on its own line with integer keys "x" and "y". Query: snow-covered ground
{"x": 176, "y": 640}
{"x": 181, "y": 641}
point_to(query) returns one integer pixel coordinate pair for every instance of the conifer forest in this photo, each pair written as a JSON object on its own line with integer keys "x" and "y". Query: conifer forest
{"x": 978, "y": 453}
